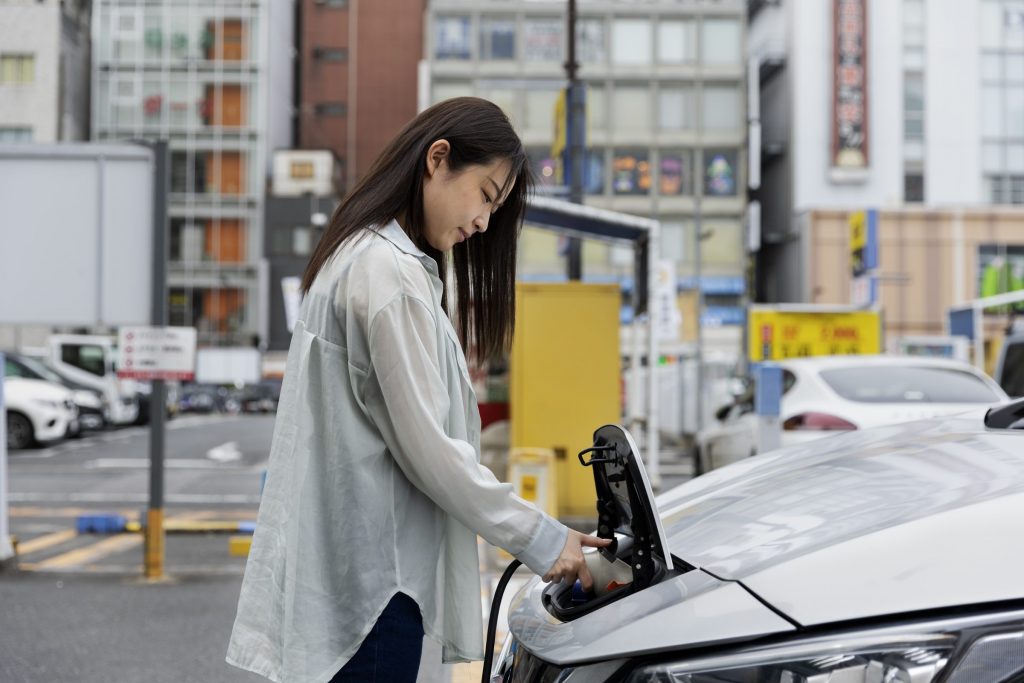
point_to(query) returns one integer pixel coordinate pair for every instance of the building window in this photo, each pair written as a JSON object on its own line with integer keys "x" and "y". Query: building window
{"x": 631, "y": 42}
{"x": 720, "y": 42}
{"x": 451, "y": 37}
{"x": 720, "y": 172}
{"x": 913, "y": 187}
{"x": 677, "y": 42}
{"x": 543, "y": 166}
{"x": 333, "y": 3}
{"x": 597, "y": 105}
{"x": 675, "y": 173}
{"x": 722, "y": 107}
{"x": 631, "y": 173}
{"x": 542, "y": 39}
{"x": 675, "y": 108}
{"x": 593, "y": 174}
{"x": 540, "y": 110}
{"x": 497, "y": 38}
{"x": 15, "y": 134}
{"x": 331, "y": 109}
{"x": 631, "y": 109}
{"x": 1002, "y": 100}
{"x": 17, "y": 69}
{"x": 913, "y": 100}
{"x": 330, "y": 54}
{"x": 590, "y": 41}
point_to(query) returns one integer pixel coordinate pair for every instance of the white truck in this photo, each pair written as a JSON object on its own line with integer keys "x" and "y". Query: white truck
{"x": 92, "y": 360}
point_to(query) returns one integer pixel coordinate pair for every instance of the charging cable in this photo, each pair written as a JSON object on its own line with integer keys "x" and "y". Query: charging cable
{"x": 492, "y": 621}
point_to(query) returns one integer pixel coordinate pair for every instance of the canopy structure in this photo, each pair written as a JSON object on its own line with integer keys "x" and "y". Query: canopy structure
{"x": 587, "y": 222}
{"x": 966, "y": 319}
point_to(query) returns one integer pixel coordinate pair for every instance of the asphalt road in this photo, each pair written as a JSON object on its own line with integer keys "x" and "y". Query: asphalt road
{"x": 77, "y": 608}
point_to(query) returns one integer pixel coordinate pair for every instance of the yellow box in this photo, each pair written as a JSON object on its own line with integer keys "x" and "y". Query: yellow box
{"x": 238, "y": 546}
{"x": 565, "y": 379}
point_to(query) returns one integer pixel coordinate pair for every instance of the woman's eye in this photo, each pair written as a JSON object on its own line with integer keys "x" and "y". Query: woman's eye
{"x": 487, "y": 200}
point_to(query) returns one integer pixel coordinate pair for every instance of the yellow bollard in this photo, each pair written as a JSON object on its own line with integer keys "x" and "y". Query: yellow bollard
{"x": 531, "y": 471}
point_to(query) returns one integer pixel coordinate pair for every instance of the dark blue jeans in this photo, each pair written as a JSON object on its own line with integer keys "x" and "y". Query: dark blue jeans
{"x": 391, "y": 651}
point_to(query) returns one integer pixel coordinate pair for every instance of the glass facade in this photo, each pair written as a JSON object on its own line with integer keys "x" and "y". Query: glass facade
{"x": 665, "y": 113}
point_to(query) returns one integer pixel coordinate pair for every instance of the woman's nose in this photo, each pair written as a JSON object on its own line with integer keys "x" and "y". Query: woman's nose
{"x": 481, "y": 222}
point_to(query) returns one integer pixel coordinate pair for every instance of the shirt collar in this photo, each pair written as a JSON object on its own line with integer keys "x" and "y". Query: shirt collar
{"x": 394, "y": 233}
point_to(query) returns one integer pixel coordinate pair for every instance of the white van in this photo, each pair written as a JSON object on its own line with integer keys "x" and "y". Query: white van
{"x": 92, "y": 360}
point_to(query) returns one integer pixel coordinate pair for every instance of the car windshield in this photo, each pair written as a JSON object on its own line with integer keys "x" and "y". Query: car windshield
{"x": 41, "y": 369}
{"x": 921, "y": 384}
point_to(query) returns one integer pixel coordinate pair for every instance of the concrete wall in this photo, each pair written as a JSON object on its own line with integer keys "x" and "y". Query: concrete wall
{"x": 952, "y": 113}
{"x": 33, "y": 29}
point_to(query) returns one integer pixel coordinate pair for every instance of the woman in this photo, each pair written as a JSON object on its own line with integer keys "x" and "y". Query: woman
{"x": 366, "y": 535}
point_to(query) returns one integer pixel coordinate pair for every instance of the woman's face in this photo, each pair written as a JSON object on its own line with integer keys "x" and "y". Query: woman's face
{"x": 458, "y": 205}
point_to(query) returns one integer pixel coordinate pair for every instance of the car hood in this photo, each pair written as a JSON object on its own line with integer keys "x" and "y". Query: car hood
{"x": 23, "y": 388}
{"x": 882, "y": 521}
{"x": 877, "y": 522}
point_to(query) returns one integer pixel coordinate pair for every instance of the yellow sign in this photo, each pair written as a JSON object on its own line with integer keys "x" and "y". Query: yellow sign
{"x": 774, "y": 334}
{"x": 528, "y": 487}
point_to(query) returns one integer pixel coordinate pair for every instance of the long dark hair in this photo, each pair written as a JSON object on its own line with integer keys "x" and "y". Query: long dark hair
{"x": 485, "y": 266}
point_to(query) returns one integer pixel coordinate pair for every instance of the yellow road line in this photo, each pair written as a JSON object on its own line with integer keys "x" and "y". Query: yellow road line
{"x": 89, "y": 553}
{"x": 45, "y": 541}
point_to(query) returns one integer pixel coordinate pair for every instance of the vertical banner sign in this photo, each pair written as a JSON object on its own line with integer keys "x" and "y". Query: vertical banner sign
{"x": 863, "y": 257}
{"x": 849, "y": 84}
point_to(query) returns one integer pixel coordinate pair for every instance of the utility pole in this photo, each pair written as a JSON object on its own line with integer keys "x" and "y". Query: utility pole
{"x": 575, "y": 129}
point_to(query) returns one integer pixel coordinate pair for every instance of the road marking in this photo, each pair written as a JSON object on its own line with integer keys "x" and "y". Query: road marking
{"x": 89, "y": 553}
{"x": 227, "y": 452}
{"x": 134, "y": 498}
{"x": 143, "y": 463}
{"x": 43, "y": 542}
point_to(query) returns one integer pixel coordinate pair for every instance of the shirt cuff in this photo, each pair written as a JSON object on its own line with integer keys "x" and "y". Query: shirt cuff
{"x": 542, "y": 552}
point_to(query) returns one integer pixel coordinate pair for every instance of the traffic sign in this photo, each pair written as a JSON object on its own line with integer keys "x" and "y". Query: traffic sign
{"x": 149, "y": 353}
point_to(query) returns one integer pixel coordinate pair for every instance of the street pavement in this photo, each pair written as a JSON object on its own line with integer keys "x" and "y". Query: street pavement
{"x": 77, "y": 609}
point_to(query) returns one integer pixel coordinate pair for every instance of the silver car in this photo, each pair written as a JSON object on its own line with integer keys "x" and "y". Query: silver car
{"x": 887, "y": 554}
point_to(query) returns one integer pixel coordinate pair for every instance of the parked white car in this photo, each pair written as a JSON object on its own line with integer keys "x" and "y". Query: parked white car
{"x": 830, "y": 394}
{"x": 884, "y": 555}
{"x": 37, "y": 412}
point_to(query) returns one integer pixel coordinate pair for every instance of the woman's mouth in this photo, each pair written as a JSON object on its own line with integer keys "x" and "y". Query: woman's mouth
{"x": 462, "y": 235}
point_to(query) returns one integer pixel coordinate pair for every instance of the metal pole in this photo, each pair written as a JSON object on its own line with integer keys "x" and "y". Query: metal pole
{"x": 6, "y": 551}
{"x": 575, "y": 128}
{"x": 698, "y": 195}
{"x": 154, "y": 540}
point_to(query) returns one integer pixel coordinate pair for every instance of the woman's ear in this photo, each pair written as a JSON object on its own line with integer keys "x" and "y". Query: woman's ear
{"x": 437, "y": 156}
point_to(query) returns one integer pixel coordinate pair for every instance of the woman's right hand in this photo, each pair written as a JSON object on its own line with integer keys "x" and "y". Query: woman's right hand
{"x": 570, "y": 565}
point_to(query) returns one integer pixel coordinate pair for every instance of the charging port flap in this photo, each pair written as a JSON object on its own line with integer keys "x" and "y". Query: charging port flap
{"x": 627, "y": 515}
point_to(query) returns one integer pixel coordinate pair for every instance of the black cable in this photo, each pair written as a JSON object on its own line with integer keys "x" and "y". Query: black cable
{"x": 492, "y": 621}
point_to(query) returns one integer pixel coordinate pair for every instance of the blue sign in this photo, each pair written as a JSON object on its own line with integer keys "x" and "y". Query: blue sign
{"x": 767, "y": 390}
{"x": 961, "y": 322}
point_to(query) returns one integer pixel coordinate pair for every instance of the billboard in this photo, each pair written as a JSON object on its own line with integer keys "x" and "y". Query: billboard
{"x": 777, "y": 333}
{"x": 76, "y": 234}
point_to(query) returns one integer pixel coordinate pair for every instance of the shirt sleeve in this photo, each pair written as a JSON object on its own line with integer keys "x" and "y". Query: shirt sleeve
{"x": 408, "y": 401}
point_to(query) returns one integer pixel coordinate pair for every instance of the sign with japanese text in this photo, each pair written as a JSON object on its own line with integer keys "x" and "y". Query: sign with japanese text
{"x": 149, "y": 353}
{"x": 850, "y": 84}
{"x": 776, "y": 334}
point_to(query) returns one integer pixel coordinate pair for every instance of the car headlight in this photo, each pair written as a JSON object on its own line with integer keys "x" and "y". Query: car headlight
{"x": 46, "y": 403}
{"x": 910, "y": 658}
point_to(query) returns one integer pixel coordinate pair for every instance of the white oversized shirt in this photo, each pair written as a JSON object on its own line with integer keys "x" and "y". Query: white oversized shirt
{"x": 374, "y": 484}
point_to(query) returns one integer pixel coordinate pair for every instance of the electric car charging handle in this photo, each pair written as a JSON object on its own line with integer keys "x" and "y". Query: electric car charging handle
{"x": 492, "y": 621}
